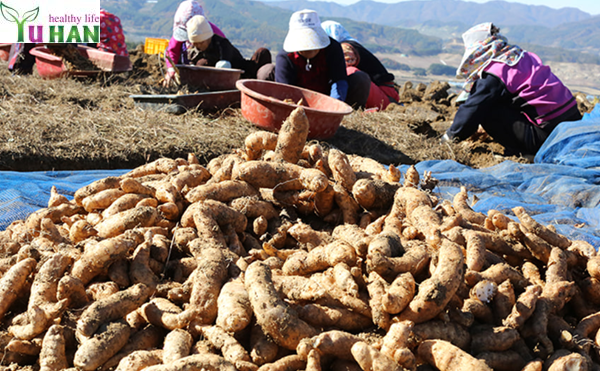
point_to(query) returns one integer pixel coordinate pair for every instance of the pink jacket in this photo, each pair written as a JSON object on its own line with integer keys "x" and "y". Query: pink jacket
{"x": 540, "y": 94}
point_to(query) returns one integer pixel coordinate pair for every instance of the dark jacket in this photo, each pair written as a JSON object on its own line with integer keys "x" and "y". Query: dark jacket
{"x": 371, "y": 65}
{"x": 327, "y": 69}
{"x": 529, "y": 87}
{"x": 221, "y": 48}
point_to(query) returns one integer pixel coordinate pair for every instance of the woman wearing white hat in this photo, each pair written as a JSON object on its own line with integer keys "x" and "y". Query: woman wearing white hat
{"x": 210, "y": 49}
{"x": 311, "y": 59}
{"x": 178, "y": 45}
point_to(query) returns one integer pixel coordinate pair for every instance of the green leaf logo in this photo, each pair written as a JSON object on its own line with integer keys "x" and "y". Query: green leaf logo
{"x": 31, "y": 15}
{"x": 9, "y": 13}
{"x": 12, "y": 15}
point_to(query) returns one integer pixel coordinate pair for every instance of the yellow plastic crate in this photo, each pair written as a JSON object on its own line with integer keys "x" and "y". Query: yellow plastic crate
{"x": 155, "y": 46}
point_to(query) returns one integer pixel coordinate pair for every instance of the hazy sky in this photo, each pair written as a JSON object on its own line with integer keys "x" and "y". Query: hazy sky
{"x": 589, "y": 6}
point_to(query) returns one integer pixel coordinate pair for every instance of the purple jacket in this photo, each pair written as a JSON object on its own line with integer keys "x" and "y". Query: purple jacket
{"x": 529, "y": 87}
{"x": 540, "y": 94}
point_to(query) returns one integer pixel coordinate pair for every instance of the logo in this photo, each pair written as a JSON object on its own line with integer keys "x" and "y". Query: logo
{"x": 12, "y": 15}
{"x": 65, "y": 21}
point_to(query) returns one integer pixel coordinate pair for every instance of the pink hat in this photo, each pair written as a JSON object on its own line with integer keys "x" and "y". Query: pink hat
{"x": 186, "y": 10}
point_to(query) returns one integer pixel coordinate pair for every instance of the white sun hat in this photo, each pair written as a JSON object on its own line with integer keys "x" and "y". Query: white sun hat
{"x": 473, "y": 38}
{"x": 476, "y": 35}
{"x": 305, "y": 32}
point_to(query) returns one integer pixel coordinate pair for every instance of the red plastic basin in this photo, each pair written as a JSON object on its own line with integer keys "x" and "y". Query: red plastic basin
{"x": 208, "y": 78}
{"x": 4, "y": 51}
{"x": 50, "y": 66}
{"x": 262, "y": 104}
{"x": 109, "y": 62}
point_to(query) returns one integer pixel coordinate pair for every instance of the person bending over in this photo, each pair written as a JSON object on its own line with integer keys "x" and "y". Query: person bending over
{"x": 358, "y": 58}
{"x": 178, "y": 44}
{"x": 311, "y": 59}
{"x": 210, "y": 49}
{"x": 513, "y": 96}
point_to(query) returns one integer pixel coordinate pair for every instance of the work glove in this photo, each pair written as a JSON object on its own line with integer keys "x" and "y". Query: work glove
{"x": 223, "y": 64}
{"x": 169, "y": 77}
{"x": 446, "y": 139}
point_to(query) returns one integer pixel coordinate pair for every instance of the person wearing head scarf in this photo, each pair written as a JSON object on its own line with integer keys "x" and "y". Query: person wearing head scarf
{"x": 178, "y": 44}
{"x": 336, "y": 31}
{"x": 515, "y": 98}
{"x": 212, "y": 50}
{"x": 312, "y": 60}
{"x": 382, "y": 91}
{"x": 112, "y": 38}
{"x": 208, "y": 48}
{"x": 206, "y": 45}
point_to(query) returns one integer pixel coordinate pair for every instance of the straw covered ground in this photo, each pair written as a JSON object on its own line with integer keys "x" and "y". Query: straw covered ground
{"x": 75, "y": 124}
{"x": 97, "y": 258}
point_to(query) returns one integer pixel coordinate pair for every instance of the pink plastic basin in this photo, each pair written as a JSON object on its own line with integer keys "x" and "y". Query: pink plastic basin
{"x": 262, "y": 104}
{"x": 4, "y": 51}
{"x": 208, "y": 78}
{"x": 109, "y": 62}
{"x": 50, "y": 66}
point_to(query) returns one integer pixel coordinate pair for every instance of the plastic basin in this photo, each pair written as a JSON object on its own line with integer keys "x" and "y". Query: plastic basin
{"x": 109, "y": 62}
{"x": 208, "y": 78}
{"x": 50, "y": 66}
{"x": 262, "y": 104}
{"x": 4, "y": 51}
{"x": 178, "y": 104}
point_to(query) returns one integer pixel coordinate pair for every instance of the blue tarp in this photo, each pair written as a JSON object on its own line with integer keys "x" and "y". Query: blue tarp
{"x": 23, "y": 193}
{"x": 562, "y": 186}
{"x": 574, "y": 143}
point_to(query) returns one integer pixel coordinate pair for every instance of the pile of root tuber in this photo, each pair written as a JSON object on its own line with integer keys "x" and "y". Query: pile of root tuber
{"x": 285, "y": 255}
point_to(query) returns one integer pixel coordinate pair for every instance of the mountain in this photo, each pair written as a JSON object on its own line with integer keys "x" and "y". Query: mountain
{"x": 246, "y": 23}
{"x": 141, "y": 18}
{"x": 413, "y": 13}
{"x": 435, "y": 26}
{"x": 566, "y": 28}
{"x": 251, "y": 24}
{"x": 583, "y": 35}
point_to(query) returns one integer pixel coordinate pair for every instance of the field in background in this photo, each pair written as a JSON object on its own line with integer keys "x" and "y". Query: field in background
{"x": 578, "y": 77}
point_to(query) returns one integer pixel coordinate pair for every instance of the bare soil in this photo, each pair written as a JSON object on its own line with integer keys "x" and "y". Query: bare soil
{"x": 92, "y": 123}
